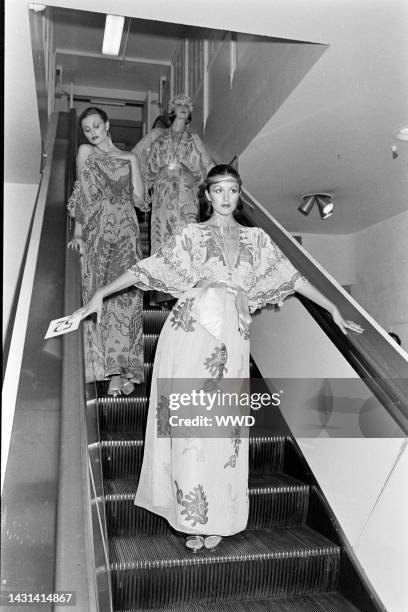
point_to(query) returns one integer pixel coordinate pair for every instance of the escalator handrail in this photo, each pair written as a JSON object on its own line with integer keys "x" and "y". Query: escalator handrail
{"x": 380, "y": 362}
{"x": 74, "y": 543}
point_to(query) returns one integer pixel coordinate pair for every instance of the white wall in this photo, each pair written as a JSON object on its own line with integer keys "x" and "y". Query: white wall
{"x": 336, "y": 253}
{"x": 22, "y": 139}
{"x": 363, "y": 479}
{"x": 19, "y": 200}
{"x": 382, "y": 273}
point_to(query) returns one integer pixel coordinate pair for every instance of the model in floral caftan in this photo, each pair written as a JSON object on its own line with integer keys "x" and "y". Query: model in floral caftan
{"x": 104, "y": 204}
{"x": 172, "y": 169}
{"x": 200, "y": 485}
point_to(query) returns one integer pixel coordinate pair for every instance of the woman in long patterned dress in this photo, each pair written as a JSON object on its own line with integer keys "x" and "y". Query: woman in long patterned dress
{"x": 173, "y": 162}
{"x": 220, "y": 271}
{"x": 106, "y": 235}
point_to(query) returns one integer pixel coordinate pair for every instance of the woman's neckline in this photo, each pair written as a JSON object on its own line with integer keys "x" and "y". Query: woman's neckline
{"x": 223, "y": 227}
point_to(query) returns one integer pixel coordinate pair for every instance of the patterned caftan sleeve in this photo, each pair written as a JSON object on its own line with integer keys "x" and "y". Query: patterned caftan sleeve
{"x": 174, "y": 268}
{"x": 77, "y": 203}
{"x": 275, "y": 277}
{"x": 206, "y": 162}
{"x": 146, "y": 153}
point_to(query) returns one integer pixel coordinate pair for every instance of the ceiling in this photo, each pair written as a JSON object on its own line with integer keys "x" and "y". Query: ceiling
{"x": 333, "y": 133}
{"x": 146, "y": 50}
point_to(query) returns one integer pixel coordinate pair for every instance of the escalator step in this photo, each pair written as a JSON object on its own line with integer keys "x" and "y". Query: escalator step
{"x": 322, "y": 602}
{"x": 154, "y": 319}
{"x": 275, "y": 500}
{"x": 122, "y": 453}
{"x": 122, "y": 413}
{"x": 159, "y": 571}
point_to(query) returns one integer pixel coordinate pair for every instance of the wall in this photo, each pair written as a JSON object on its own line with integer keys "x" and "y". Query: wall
{"x": 238, "y": 110}
{"x": 363, "y": 479}
{"x": 19, "y": 203}
{"x": 382, "y": 273}
{"x": 335, "y": 253}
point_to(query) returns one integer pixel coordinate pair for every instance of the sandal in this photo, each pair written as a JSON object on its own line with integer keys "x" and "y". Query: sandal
{"x": 211, "y": 542}
{"x": 194, "y": 542}
{"x": 127, "y": 387}
{"x": 115, "y": 386}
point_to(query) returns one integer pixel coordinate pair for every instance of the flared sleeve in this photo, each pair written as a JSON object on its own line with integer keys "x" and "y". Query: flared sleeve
{"x": 143, "y": 152}
{"x": 206, "y": 161}
{"x": 275, "y": 277}
{"x": 174, "y": 268}
{"x": 77, "y": 202}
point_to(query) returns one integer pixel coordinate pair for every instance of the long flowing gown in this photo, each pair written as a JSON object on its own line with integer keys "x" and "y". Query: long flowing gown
{"x": 103, "y": 202}
{"x": 200, "y": 484}
{"x": 172, "y": 171}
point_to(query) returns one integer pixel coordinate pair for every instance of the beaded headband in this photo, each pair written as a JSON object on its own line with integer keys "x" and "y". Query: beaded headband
{"x": 181, "y": 99}
{"x": 218, "y": 178}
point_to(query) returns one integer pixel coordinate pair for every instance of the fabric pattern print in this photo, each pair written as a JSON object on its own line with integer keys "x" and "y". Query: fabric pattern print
{"x": 163, "y": 416}
{"x": 235, "y": 441}
{"x": 171, "y": 180}
{"x": 195, "y": 505}
{"x": 216, "y": 362}
{"x": 103, "y": 202}
{"x": 181, "y": 317}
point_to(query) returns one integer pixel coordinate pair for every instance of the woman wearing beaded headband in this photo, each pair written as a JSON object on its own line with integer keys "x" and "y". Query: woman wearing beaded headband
{"x": 220, "y": 271}
{"x": 174, "y": 162}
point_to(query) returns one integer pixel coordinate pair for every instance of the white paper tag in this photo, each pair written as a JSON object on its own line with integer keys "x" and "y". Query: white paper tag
{"x": 62, "y": 326}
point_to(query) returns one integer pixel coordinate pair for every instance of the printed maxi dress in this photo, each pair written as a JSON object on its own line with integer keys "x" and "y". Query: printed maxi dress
{"x": 200, "y": 484}
{"x": 103, "y": 202}
{"x": 172, "y": 171}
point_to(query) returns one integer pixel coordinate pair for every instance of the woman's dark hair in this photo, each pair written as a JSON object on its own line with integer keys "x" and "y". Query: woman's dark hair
{"x": 172, "y": 116}
{"x": 206, "y": 209}
{"x": 93, "y": 110}
{"x": 162, "y": 121}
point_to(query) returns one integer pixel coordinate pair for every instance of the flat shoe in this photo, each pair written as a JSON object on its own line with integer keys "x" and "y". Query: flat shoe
{"x": 194, "y": 542}
{"x": 128, "y": 387}
{"x": 211, "y": 542}
{"x": 114, "y": 386}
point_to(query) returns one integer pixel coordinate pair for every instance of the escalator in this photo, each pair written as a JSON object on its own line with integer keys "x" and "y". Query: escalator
{"x": 292, "y": 556}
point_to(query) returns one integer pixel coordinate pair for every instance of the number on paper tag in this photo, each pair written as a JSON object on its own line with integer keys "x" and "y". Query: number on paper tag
{"x": 62, "y": 326}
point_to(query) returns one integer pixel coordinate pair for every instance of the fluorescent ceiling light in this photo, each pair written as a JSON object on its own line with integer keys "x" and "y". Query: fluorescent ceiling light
{"x": 113, "y": 34}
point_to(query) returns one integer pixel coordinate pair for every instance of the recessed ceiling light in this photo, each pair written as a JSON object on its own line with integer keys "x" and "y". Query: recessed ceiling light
{"x": 402, "y": 134}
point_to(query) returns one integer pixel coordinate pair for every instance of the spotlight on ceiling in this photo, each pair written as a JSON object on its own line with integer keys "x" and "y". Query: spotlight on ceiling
{"x": 307, "y": 204}
{"x": 113, "y": 34}
{"x": 324, "y": 202}
{"x": 402, "y": 134}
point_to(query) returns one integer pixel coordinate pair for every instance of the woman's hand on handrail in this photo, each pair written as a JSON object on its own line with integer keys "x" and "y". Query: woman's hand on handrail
{"x": 77, "y": 244}
{"x": 343, "y": 324}
{"x": 309, "y": 291}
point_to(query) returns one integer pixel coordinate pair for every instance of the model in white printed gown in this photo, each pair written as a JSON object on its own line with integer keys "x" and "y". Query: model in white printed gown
{"x": 219, "y": 271}
{"x": 200, "y": 485}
